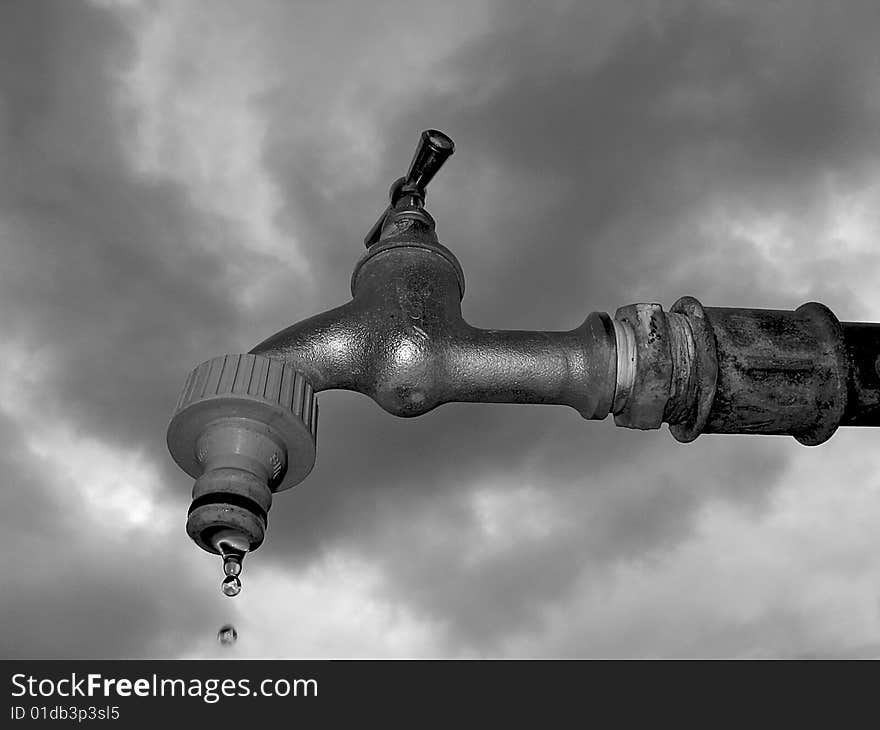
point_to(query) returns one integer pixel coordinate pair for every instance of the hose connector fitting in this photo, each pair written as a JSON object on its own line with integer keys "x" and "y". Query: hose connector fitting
{"x": 245, "y": 428}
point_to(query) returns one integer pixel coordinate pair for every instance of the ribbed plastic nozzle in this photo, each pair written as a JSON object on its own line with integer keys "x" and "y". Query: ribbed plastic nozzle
{"x": 244, "y": 427}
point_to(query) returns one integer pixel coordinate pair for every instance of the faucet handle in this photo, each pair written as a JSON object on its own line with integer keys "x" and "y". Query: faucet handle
{"x": 433, "y": 150}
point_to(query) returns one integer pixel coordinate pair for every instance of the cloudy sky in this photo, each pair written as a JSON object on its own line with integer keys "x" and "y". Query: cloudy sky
{"x": 179, "y": 180}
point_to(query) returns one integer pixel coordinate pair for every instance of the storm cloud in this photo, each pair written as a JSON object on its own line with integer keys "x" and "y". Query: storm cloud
{"x": 181, "y": 180}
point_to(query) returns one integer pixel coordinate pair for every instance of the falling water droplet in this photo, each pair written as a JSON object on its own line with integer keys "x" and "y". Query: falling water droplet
{"x": 231, "y": 585}
{"x": 227, "y": 635}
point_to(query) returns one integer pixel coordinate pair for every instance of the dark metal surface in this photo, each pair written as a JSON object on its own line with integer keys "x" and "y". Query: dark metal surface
{"x": 433, "y": 150}
{"x": 690, "y": 418}
{"x": 749, "y": 371}
{"x": 779, "y": 372}
{"x": 402, "y": 339}
{"x": 403, "y": 342}
{"x": 862, "y": 341}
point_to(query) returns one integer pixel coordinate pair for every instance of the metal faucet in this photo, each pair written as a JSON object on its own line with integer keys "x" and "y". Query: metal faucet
{"x": 245, "y": 424}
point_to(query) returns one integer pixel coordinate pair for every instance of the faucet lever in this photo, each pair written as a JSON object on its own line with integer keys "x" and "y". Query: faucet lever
{"x": 433, "y": 150}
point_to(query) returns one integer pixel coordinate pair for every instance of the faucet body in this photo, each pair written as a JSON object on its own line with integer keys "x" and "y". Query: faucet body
{"x": 402, "y": 340}
{"x": 245, "y": 425}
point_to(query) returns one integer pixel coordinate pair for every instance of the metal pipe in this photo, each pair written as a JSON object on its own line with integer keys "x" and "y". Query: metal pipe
{"x": 862, "y": 342}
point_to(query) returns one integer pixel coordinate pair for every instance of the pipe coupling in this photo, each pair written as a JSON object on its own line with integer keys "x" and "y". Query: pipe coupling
{"x": 655, "y": 352}
{"x": 723, "y": 370}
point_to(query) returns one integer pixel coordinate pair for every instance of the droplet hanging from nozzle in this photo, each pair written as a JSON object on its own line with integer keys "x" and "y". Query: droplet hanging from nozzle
{"x": 232, "y": 545}
{"x": 232, "y": 566}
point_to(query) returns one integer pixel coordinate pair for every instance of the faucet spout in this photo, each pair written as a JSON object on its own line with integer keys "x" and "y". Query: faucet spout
{"x": 402, "y": 341}
{"x": 327, "y": 348}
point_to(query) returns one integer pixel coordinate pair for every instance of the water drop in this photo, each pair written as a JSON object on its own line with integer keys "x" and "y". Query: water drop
{"x": 232, "y": 546}
{"x": 227, "y": 635}
{"x": 231, "y": 585}
{"x": 232, "y": 565}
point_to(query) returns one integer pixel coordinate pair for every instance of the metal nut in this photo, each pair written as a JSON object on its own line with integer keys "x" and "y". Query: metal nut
{"x": 652, "y": 379}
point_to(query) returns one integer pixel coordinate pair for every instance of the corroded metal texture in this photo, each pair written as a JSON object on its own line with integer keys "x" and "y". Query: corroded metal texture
{"x": 779, "y": 372}
{"x": 758, "y": 371}
{"x": 689, "y": 419}
{"x": 652, "y": 381}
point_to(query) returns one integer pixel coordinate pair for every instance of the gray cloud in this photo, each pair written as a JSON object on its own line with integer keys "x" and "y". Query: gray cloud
{"x": 591, "y": 141}
{"x": 106, "y": 279}
{"x": 72, "y": 587}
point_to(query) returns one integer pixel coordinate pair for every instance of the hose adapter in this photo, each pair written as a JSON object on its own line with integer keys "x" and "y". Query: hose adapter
{"x": 244, "y": 427}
